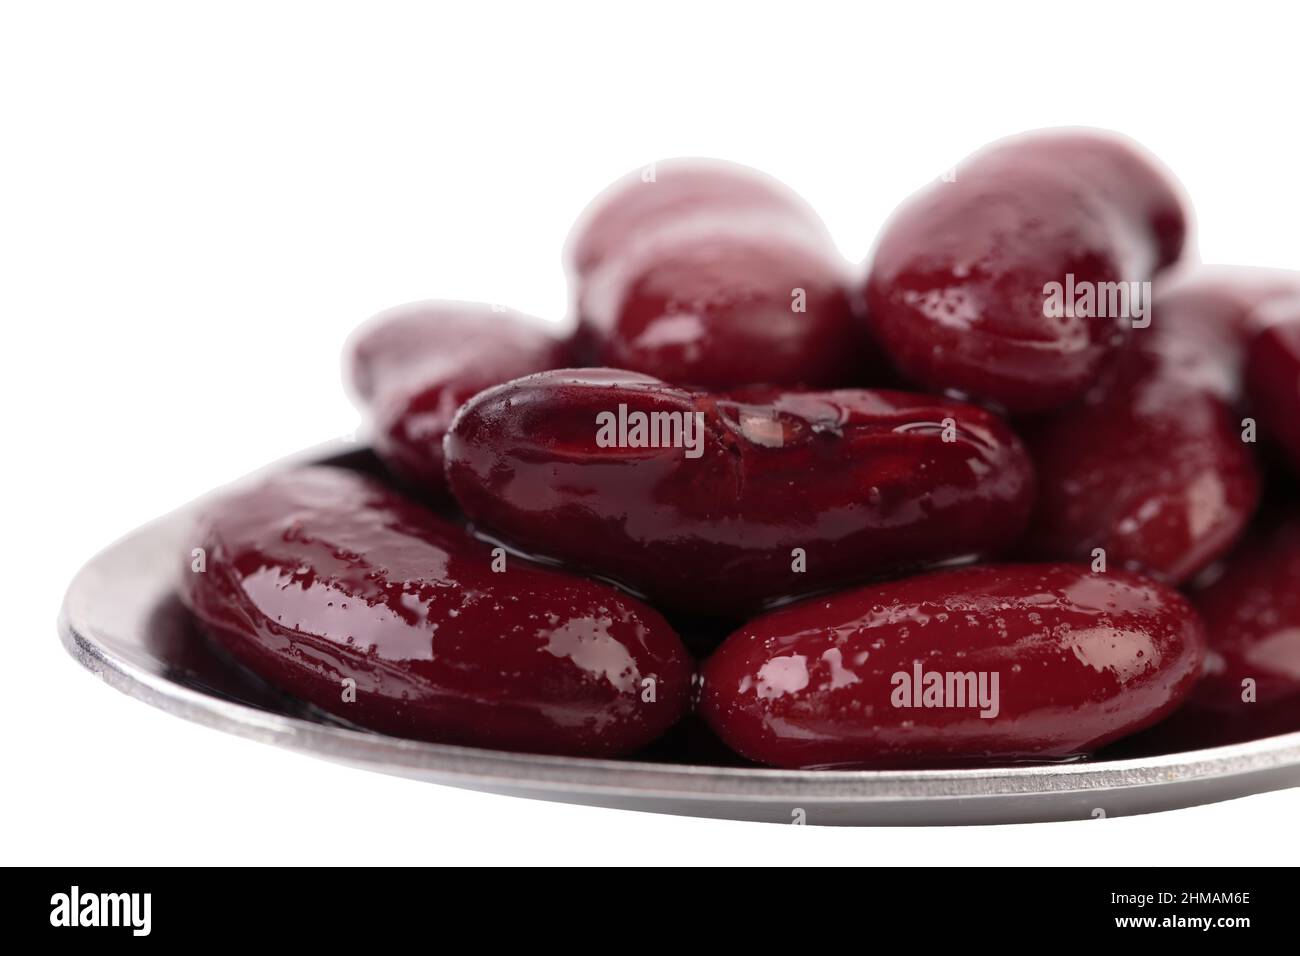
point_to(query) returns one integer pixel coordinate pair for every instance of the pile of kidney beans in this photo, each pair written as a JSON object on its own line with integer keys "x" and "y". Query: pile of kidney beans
{"x": 911, "y": 515}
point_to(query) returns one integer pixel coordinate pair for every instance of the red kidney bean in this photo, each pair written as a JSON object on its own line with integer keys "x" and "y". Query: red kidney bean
{"x": 957, "y": 291}
{"x": 413, "y": 366}
{"x": 776, "y": 493}
{"x": 1250, "y": 684}
{"x": 1134, "y": 185}
{"x": 712, "y": 277}
{"x": 1273, "y": 380}
{"x": 1207, "y": 317}
{"x": 994, "y": 663}
{"x": 722, "y": 311}
{"x": 1151, "y": 467}
{"x": 318, "y": 576}
{"x": 685, "y": 193}
{"x": 1252, "y": 621}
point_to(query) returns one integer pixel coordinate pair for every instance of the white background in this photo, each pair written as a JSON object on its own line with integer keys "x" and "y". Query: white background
{"x": 198, "y": 202}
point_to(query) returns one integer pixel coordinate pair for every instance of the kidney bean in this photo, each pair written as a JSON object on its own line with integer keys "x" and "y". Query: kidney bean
{"x": 1252, "y": 621}
{"x": 1133, "y": 184}
{"x": 690, "y": 194}
{"x": 958, "y": 287}
{"x": 994, "y": 663}
{"x": 713, "y": 277}
{"x": 764, "y": 493}
{"x": 1273, "y": 380}
{"x": 1250, "y": 684}
{"x": 721, "y": 311}
{"x": 413, "y": 366}
{"x": 319, "y": 576}
{"x": 1151, "y": 467}
{"x": 1207, "y": 317}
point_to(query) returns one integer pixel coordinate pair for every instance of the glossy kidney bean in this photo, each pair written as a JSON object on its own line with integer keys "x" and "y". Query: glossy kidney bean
{"x": 1250, "y": 684}
{"x": 689, "y": 195}
{"x": 1207, "y": 317}
{"x": 318, "y": 576}
{"x": 1134, "y": 185}
{"x": 413, "y": 366}
{"x": 994, "y": 663}
{"x": 1252, "y": 621}
{"x": 1273, "y": 381}
{"x": 1152, "y": 466}
{"x": 712, "y": 276}
{"x": 958, "y": 290}
{"x": 721, "y": 311}
{"x": 760, "y": 494}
